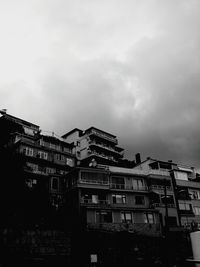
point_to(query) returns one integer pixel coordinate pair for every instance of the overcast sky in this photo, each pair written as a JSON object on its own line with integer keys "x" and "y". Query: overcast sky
{"x": 128, "y": 67}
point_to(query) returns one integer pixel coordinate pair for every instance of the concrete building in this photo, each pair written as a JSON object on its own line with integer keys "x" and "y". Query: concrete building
{"x": 113, "y": 200}
{"x": 95, "y": 144}
{"x": 182, "y": 186}
{"x": 162, "y": 188}
{"x": 187, "y": 189}
{"x": 47, "y": 158}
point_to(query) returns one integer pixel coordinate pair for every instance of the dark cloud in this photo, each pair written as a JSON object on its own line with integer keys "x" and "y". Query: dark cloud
{"x": 130, "y": 69}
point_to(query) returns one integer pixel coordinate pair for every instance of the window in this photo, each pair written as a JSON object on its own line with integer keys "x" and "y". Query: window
{"x": 139, "y": 200}
{"x": 54, "y": 183}
{"x": 69, "y": 162}
{"x": 119, "y": 199}
{"x": 94, "y": 177}
{"x": 194, "y": 194}
{"x": 50, "y": 170}
{"x": 168, "y": 199}
{"x": 28, "y": 151}
{"x": 29, "y": 131}
{"x": 60, "y": 157}
{"x": 33, "y": 167}
{"x": 41, "y": 169}
{"x": 148, "y": 218}
{"x": 67, "y": 149}
{"x": 196, "y": 210}
{"x": 118, "y": 182}
{"x": 103, "y": 216}
{"x": 126, "y": 217}
{"x": 42, "y": 155}
{"x": 138, "y": 183}
{"x": 95, "y": 199}
{"x": 53, "y": 146}
{"x": 185, "y": 206}
{"x": 42, "y": 143}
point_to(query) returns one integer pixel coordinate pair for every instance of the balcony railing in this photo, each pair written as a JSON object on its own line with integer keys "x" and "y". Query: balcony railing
{"x": 160, "y": 187}
{"x": 94, "y": 153}
{"x": 97, "y": 182}
{"x": 92, "y": 202}
{"x": 106, "y": 147}
{"x": 104, "y": 136}
{"x": 158, "y": 172}
{"x": 137, "y": 228}
{"x": 128, "y": 187}
{"x": 162, "y": 205}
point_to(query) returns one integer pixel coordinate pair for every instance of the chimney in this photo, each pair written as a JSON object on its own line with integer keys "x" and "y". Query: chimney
{"x": 137, "y": 158}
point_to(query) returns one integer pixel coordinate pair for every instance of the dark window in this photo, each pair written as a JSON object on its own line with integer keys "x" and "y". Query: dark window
{"x": 168, "y": 199}
{"x": 103, "y": 216}
{"x": 54, "y": 184}
{"x": 172, "y": 221}
{"x": 94, "y": 177}
{"x": 119, "y": 199}
{"x": 139, "y": 200}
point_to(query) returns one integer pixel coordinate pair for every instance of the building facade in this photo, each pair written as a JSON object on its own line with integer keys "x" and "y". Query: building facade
{"x": 46, "y": 158}
{"x": 113, "y": 200}
{"x": 95, "y": 144}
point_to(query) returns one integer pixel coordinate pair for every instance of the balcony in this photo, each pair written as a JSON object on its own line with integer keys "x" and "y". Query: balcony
{"x": 105, "y": 147}
{"x": 160, "y": 187}
{"x": 136, "y": 228}
{"x": 97, "y": 182}
{"x": 103, "y": 135}
{"x": 128, "y": 187}
{"x": 94, "y": 153}
{"x": 158, "y": 172}
{"x": 95, "y": 203}
{"x": 161, "y": 205}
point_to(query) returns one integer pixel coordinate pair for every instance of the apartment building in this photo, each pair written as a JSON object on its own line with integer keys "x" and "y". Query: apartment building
{"x": 47, "y": 158}
{"x": 187, "y": 189}
{"x": 95, "y": 144}
{"x": 112, "y": 200}
{"x": 162, "y": 189}
{"x": 181, "y": 185}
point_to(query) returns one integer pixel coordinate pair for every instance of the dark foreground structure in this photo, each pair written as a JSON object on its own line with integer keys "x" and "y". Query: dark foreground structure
{"x": 74, "y": 201}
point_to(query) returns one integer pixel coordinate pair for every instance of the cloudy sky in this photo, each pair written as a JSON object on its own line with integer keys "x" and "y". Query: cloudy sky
{"x": 129, "y": 67}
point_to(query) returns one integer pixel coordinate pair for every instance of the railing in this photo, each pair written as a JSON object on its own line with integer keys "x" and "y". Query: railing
{"x": 97, "y": 202}
{"x": 105, "y": 147}
{"x": 163, "y": 205}
{"x": 161, "y": 187}
{"x": 104, "y": 136}
{"x": 137, "y": 228}
{"x": 128, "y": 187}
{"x": 159, "y": 172}
{"x": 101, "y": 155}
{"x": 98, "y": 182}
